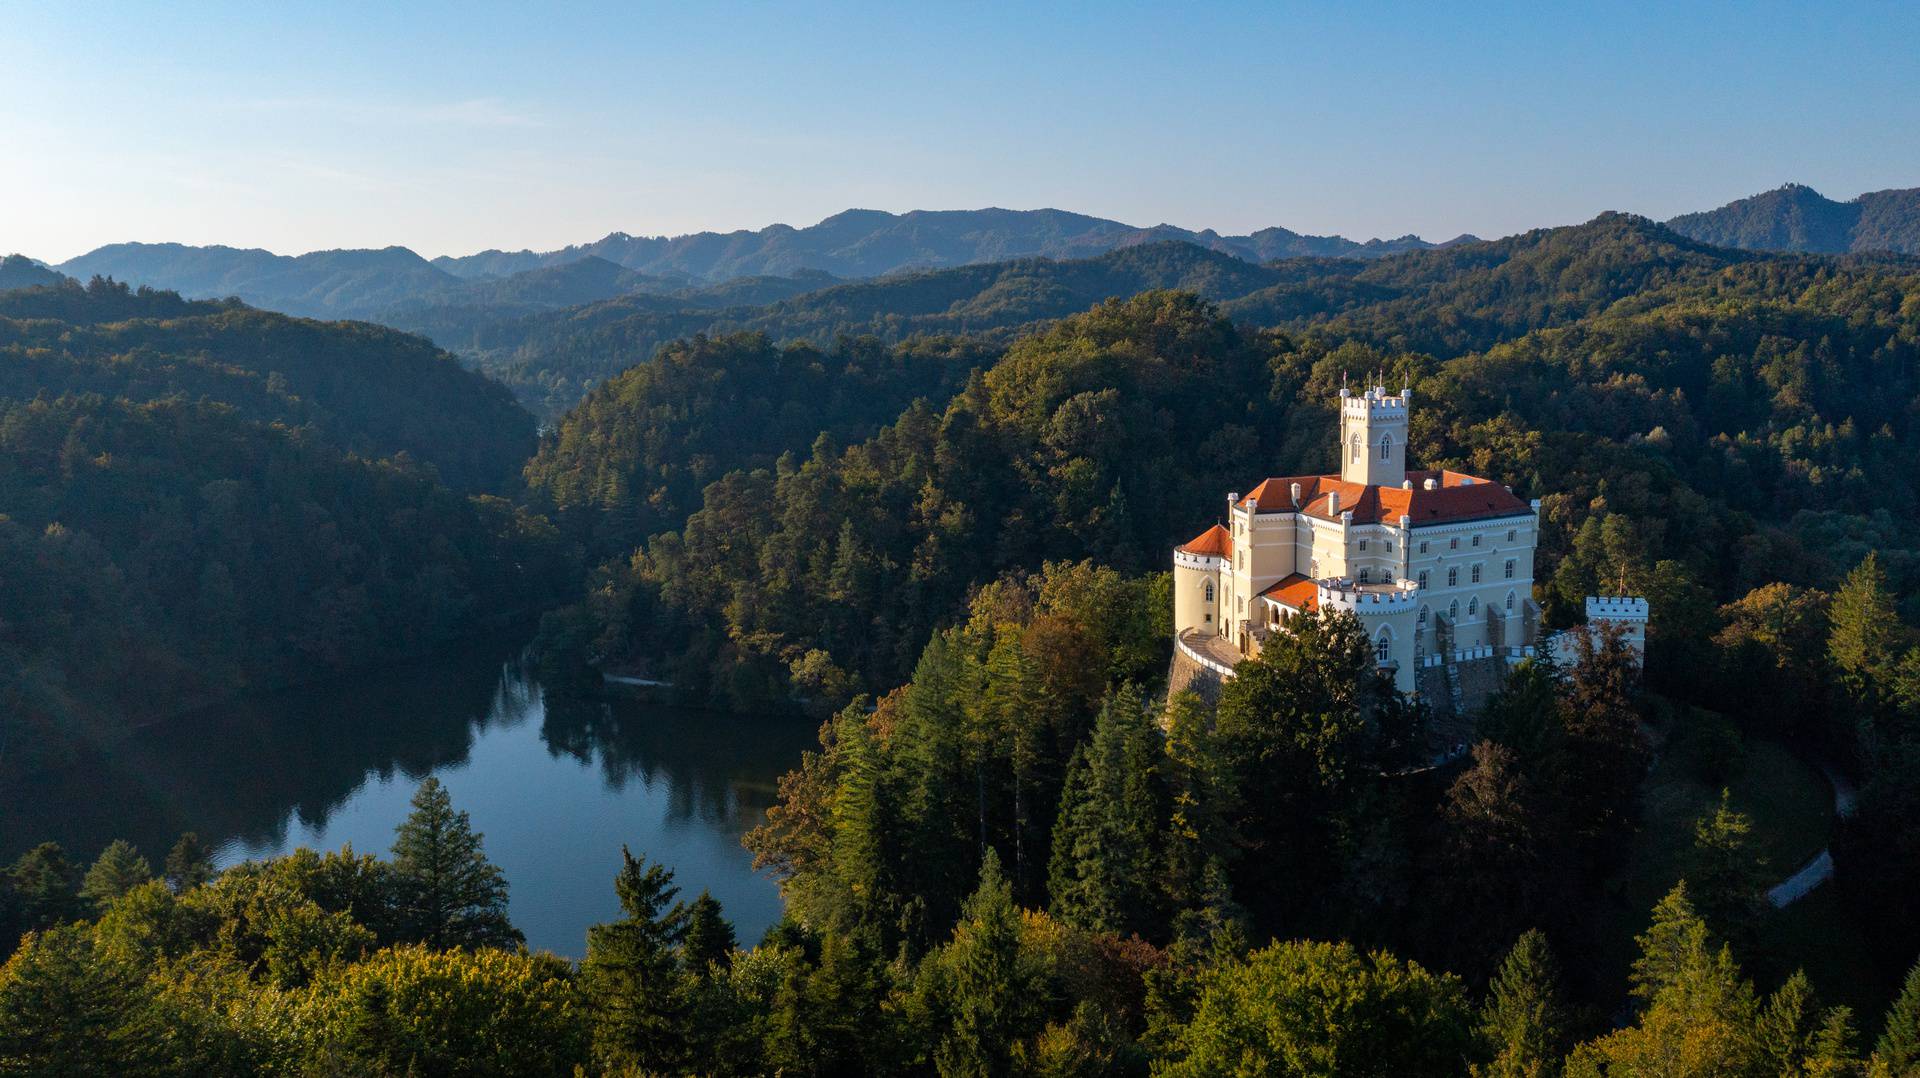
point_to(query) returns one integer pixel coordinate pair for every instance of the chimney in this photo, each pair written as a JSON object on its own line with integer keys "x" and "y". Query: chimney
{"x": 1406, "y": 484}
{"x": 1295, "y": 489}
{"x": 1333, "y": 503}
{"x": 1432, "y": 483}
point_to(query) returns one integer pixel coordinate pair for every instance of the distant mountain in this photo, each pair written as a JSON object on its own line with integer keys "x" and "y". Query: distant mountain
{"x": 870, "y": 243}
{"x": 1798, "y": 218}
{"x": 19, "y": 271}
{"x": 322, "y": 284}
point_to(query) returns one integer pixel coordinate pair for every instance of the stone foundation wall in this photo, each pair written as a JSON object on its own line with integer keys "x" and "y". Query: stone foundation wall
{"x": 1185, "y": 674}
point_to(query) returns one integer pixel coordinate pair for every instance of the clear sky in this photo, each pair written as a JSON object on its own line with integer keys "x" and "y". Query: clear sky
{"x": 452, "y": 129}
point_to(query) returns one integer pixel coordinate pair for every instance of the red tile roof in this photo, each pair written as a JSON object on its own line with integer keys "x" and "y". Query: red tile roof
{"x": 1456, "y": 497}
{"x": 1215, "y": 541}
{"x": 1296, "y": 591}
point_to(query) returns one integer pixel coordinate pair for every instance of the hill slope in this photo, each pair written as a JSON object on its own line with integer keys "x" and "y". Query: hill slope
{"x": 1798, "y": 218}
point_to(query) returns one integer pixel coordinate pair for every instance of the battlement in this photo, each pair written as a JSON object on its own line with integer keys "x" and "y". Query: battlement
{"x": 1616, "y": 608}
{"x": 1364, "y": 599}
{"x": 1376, "y": 404}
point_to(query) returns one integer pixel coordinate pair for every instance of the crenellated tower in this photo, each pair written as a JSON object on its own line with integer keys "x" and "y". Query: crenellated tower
{"x": 1373, "y": 436}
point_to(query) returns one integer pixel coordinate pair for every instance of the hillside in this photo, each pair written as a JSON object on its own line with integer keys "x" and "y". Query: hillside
{"x": 19, "y": 271}
{"x": 1798, "y": 218}
{"x": 321, "y": 284}
{"x": 363, "y": 388}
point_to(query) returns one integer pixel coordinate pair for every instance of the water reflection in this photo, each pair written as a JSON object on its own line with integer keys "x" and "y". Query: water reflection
{"x": 557, "y": 790}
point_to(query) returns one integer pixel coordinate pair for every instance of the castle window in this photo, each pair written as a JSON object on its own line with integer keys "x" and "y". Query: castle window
{"x": 1364, "y": 574}
{"x": 1473, "y": 606}
{"x": 1423, "y": 617}
{"x": 1476, "y": 574}
{"x": 1356, "y": 447}
{"x": 1386, "y": 447}
{"x": 1509, "y": 535}
{"x": 1382, "y": 650}
{"x": 1387, "y": 545}
{"x": 1209, "y": 591}
{"x": 1313, "y": 568}
{"x": 1509, "y": 569}
{"x": 1423, "y": 578}
{"x": 1453, "y": 577}
{"x": 1453, "y": 610}
{"x": 1363, "y": 544}
{"x": 1453, "y": 543}
{"x": 1423, "y": 546}
{"x": 1476, "y": 540}
{"x": 1509, "y": 600}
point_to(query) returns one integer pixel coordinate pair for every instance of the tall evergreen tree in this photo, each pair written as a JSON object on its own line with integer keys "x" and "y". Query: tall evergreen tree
{"x": 1725, "y": 876}
{"x": 67, "y": 1009}
{"x": 1102, "y": 876}
{"x": 633, "y": 976}
{"x": 449, "y": 894}
{"x": 1864, "y": 638}
{"x": 992, "y": 987}
{"x": 46, "y": 889}
{"x": 1522, "y": 1020}
{"x": 119, "y": 869}
{"x": 1898, "y": 1050}
{"x": 709, "y": 939}
{"x": 188, "y": 864}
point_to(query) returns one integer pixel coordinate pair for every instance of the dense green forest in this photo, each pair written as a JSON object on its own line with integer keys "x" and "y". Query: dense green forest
{"x": 198, "y": 499}
{"x": 944, "y": 540}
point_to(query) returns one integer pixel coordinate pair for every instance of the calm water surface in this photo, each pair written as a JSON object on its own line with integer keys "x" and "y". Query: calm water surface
{"x": 555, "y": 789}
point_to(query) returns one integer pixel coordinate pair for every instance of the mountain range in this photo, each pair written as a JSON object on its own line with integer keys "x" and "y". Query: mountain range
{"x": 1798, "y": 218}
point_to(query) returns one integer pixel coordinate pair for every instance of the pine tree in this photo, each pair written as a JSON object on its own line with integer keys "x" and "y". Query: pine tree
{"x": 1831, "y": 1055}
{"x": 188, "y": 864}
{"x": 1725, "y": 876}
{"x": 1103, "y": 841}
{"x": 45, "y": 888}
{"x": 1787, "y": 1025}
{"x": 1674, "y": 939}
{"x": 1522, "y": 1020}
{"x": 1011, "y": 717}
{"x": 1863, "y": 640}
{"x": 632, "y": 976}
{"x": 449, "y": 894}
{"x": 119, "y": 869}
{"x": 709, "y": 939}
{"x": 67, "y": 1009}
{"x": 1898, "y": 1050}
{"x": 992, "y": 988}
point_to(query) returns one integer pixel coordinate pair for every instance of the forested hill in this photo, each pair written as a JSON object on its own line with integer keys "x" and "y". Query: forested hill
{"x": 19, "y": 271}
{"x": 364, "y": 388}
{"x": 1798, "y": 218}
{"x": 198, "y": 498}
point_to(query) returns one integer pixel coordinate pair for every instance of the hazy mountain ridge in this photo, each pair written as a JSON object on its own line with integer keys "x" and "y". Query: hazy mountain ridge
{"x": 1796, "y": 217}
{"x": 319, "y": 284}
{"x": 19, "y": 271}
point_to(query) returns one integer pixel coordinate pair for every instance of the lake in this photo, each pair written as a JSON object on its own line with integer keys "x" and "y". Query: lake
{"x": 556, "y": 790}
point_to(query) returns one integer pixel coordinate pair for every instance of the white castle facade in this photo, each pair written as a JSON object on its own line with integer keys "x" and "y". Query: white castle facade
{"x": 1437, "y": 565}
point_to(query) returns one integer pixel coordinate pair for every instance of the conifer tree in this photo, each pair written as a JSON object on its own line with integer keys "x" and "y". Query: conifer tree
{"x": 992, "y": 986}
{"x": 709, "y": 939}
{"x": 1670, "y": 943}
{"x": 1522, "y": 1020}
{"x": 1898, "y": 1050}
{"x": 449, "y": 894}
{"x": 1832, "y": 1055}
{"x": 1010, "y": 719}
{"x": 1103, "y": 842}
{"x": 863, "y": 830}
{"x": 1787, "y": 1024}
{"x": 188, "y": 864}
{"x": 45, "y": 888}
{"x": 67, "y": 1009}
{"x": 119, "y": 869}
{"x": 1725, "y": 876}
{"x": 1864, "y": 637}
{"x": 632, "y": 974}
{"x": 1196, "y": 835}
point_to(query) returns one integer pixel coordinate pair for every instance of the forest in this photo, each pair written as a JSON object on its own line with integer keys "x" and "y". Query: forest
{"x": 931, "y": 513}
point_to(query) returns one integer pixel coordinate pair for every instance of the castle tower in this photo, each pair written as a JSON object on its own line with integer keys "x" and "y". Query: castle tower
{"x": 1373, "y": 436}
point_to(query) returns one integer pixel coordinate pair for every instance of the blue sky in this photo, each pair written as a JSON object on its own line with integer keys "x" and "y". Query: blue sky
{"x": 452, "y": 129}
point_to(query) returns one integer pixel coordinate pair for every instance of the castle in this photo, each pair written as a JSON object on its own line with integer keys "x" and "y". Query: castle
{"x": 1437, "y": 565}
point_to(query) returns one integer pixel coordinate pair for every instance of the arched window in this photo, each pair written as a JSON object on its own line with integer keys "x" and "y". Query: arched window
{"x": 1509, "y": 569}
{"x": 1423, "y": 578}
{"x": 1355, "y": 442}
{"x": 1209, "y": 590}
{"x": 1473, "y": 606}
{"x": 1423, "y": 617}
{"x": 1453, "y": 577}
{"x": 1364, "y": 575}
{"x": 1476, "y": 574}
{"x": 1383, "y": 649}
{"x": 1453, "y": 610}
{"x": 1509, "y": 600}
{"x": 1386, "y": 447}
